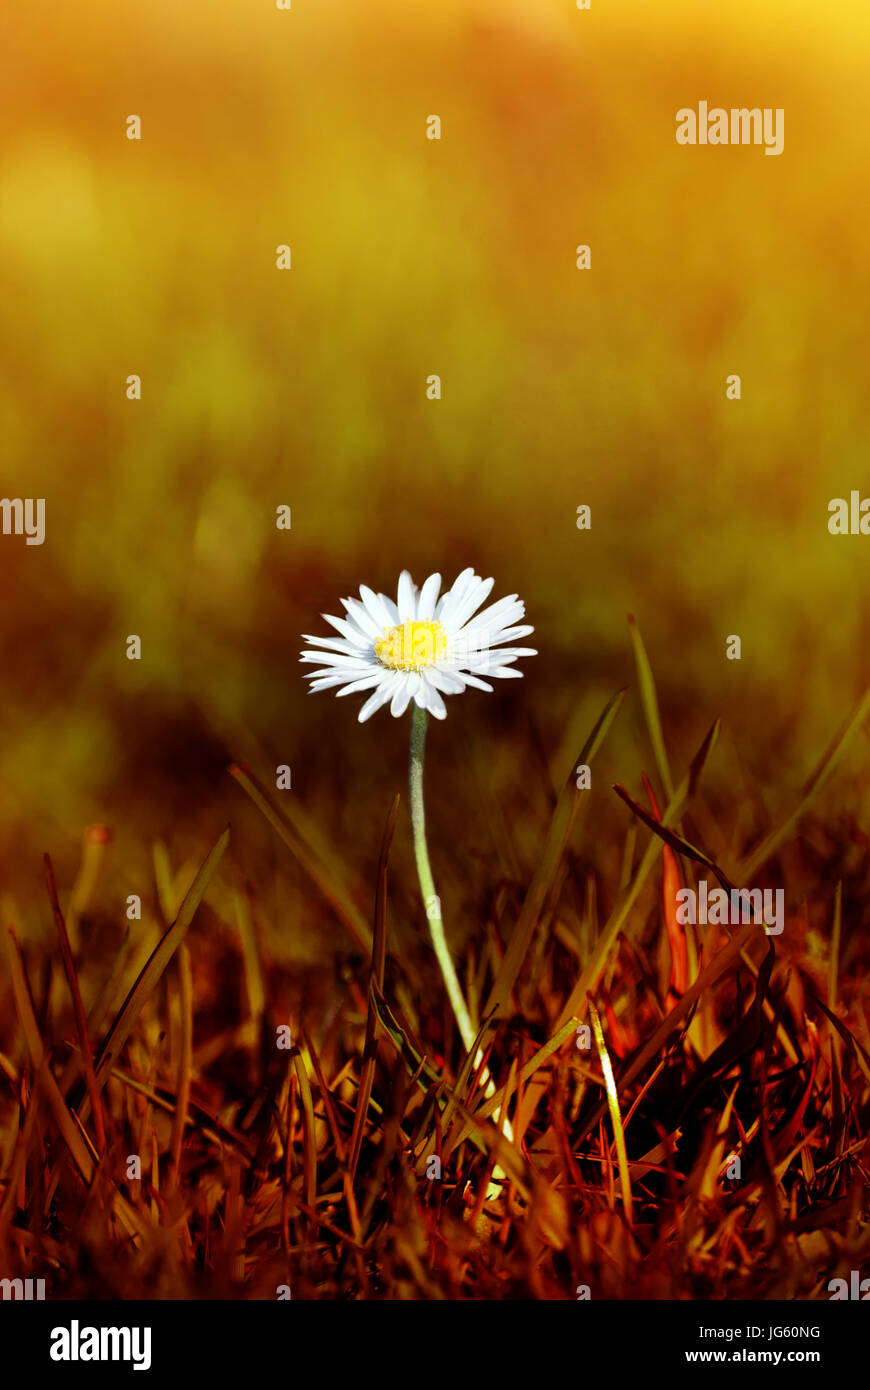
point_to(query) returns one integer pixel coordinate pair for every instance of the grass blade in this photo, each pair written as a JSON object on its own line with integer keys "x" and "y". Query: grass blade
{"x": 650, "y": 704}
{"x": 561, "y": 825}
{"x": 157, "y": 963}
{"x": 829, "y": 760}
{"x": 590, "y": 976}
{"x": 329, "y": 883}
{"x": 613, "y": 1107}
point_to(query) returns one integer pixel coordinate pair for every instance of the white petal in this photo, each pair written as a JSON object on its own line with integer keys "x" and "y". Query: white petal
{"x": 401, "y": 699}
{"x": 348, "y": 630}
{"x": 428, "y": 598}
{"x": 435, "y": 704}
{"x": 380, "y": 697}
{"x": 374, "y": 604}
{"x": 324, "y": 682}
{"x": 333, "y": 644}
{"x": 392, "y": 610}
{"x": 362, "y": 683}
{"x": 469, "y": 602}
{"x": 475, "y": 681}
{"x": 498, "y": 615}
{"x": 486, "y": 661}
{"x": 449, "y": 681}
{"x": 511, "y": 634}
{"x": 340, "y": 671}
{"x": 448, "y": 600}
{"x": 406, "y": 600}
{"x": 362, "y": 617}
{"x": 339, "y": 659}
{"x": 504, "y": 654}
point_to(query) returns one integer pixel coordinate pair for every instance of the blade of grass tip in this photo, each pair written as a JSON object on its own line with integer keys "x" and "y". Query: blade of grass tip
{"x": 157, "y": 962}
{"x": 834, "y": 964}
{"x": 78, "y": 1007}
{"x": 71, "y": 1133}
{"x": 613, "y": 1107}
{"x": 337, "y": 1138}
{"x": 628, "y": 853}
{"x": 416, "y": 1063}
{"x": 166, "y": 894}
{"x": 691, "y": 852}
{"x": 182, "y": 1085}
{"x": 495, "y": 1102}
{"x": 591, "y": 975}
{"x": 376, "y": 976}
{"x": 671, "y": 839}
{"x": 23, "y": 1000}
{"x": 16, "y": 1164}
{"x": 309, "y": 1162}
{"x": 490, "y": 1139}
{"x": 829, "y": 760}
{"x": 255, "y": 982}
{"x": 207, "y": 1125}
{"x": 561, "y": 825}
{"x": 720, "y": 963}
{"x": 676, "y": 933}
{"x": 860, "y": 1053}
{"x": 459, "y": 1093}
{"x": 329, "y": 885}
{"x": 96, "y": 842}
{"x": 650, "y": 704}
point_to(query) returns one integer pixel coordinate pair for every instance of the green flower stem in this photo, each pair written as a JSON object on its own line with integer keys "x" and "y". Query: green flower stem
{"x": 431, "y": 901}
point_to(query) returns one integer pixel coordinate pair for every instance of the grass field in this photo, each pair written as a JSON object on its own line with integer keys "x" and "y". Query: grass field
{"x": 320, "y": 1128}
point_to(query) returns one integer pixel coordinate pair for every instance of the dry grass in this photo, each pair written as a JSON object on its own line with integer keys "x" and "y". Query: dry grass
{"x": 310, "y": 1166}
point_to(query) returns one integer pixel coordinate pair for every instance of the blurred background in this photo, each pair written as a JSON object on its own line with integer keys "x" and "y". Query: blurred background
{"x": 307, "y": 388}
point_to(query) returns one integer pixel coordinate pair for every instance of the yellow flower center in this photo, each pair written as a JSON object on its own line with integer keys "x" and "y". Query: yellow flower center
{"x": 411, "y": 646}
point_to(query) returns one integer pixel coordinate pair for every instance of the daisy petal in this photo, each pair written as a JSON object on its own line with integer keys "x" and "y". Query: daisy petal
{"x": 435, "y": 704}
{"x": 453, "y": 594}
{"x": 428, "y": 598}
{"x": 374, "y": 605}
{"x": 401, "y": 699}
{"x": 362, "y": 683}
{"x": 333, "y": 644}
{"x": 497, "y": 616}
{"x": 337, "y": 658}
{"x": 475, "y": 681}
{"x": 449, "y": 681}
{"x": 348, "y": 630}
{"x": 406, "y": 600}
{"x": 470, "y": 602}
{"x": 324, "y": 682}
{"x": 362, "y": 617}
{"x": 380, "y": 697}
{"x": 391, "y": 609}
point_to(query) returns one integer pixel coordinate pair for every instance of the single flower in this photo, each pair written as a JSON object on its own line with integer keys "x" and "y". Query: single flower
{"x": 421, "y": 647}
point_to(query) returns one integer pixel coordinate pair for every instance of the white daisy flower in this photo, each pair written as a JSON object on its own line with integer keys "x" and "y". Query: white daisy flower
{"x": 421, "y": 647}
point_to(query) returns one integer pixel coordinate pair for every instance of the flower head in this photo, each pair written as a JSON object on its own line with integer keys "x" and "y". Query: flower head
{"x": 421, "y": 647}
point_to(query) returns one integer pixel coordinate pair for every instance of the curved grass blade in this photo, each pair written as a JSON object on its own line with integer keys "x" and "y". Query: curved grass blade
{"x": 157, "y": 963}
{"x": 590, "y": 976}
{"x": 561, "y": 825}
{"x": 650, "y": 703}
{"x": 326, "y": 878}
{"x": 820, "y": 775}
{"x": 613, "y": 1107}
{"x": 379, "y": 957}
